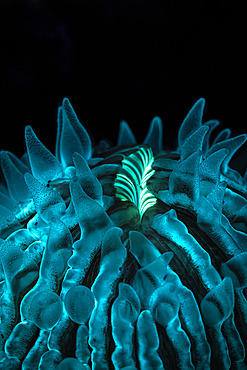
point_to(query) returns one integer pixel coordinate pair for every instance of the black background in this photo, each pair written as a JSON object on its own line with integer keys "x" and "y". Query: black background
{"x": 119, "y": 59}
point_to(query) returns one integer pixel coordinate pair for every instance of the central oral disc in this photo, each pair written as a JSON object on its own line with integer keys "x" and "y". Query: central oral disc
{"x": 131, "y": 181}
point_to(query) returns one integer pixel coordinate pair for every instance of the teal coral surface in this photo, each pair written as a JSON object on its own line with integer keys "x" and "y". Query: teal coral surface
{"x": 124, "y": 257}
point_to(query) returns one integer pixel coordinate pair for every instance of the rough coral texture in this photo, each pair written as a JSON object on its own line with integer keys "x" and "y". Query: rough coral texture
{"x": 124, "y": 257}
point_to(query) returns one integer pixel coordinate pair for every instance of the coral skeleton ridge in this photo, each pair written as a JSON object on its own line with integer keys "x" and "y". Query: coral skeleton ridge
{"x": 124, "y": 257}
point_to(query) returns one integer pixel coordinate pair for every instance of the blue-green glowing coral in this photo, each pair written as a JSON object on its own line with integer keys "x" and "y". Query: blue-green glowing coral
{"x": 129, "y": 257}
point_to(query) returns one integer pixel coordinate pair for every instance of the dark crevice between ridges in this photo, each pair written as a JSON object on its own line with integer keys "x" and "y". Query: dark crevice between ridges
{"x": 192, "y": 341}
{"x": 135, "y": 349}
{"x": 110, "y": 341}
{"x": 76, "y": 233}
{"x": 93, "y": 270}
{"x": 217, "y": 258}
{"x": 245, "y": 293}
{"x": 190, "y": 281}
{"x": 128, "y": 271}
{"x": 214, "y": 360}
{"x": 216, "y": 254}
{"x": 69, "y": 340}
{"x": 236, "y": 190}
{"x": 180, "y": 263}
{"x": 239, "y": 326}
{"x": 190, "y": 220}
{"x": 166, "y": 350}
{"x": 31, "y": 344}
{"x": 186, "y": 272}
{"x": 115, "y": 151}
{"x": 194, "y": 283}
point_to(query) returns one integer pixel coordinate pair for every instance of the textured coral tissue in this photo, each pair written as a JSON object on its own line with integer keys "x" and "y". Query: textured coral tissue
{"x": 124, "y": 257}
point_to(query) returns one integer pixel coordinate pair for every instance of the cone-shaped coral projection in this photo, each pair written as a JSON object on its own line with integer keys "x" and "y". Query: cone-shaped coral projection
{"x": 192, "y": 121}
{"x": 195, "y": 140}
{"x": 125, "y": 136}
{"x": 72, "y": 136}
{"x": 88, "y": 181}
{"x": 154, "y": 137}
{"x": 45, "y": 167}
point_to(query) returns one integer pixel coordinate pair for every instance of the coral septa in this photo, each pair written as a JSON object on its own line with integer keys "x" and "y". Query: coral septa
{"x": 124, "y": 314}
{"x": 46, "y": 308}
{"x": 79, "y": 303}
{"x": 192, "y": 121}
{"x": 216, "y": 196}
{"x": 236, "y": 269}
{"x": 210, "y": 167}
{"x": 127, "y": 305}
{"x": 82, "y": 352}
{"x": 195, "y": 140}
{"x": 45, "y": 166}
{"x": 90, "y": 214}
{"x": 218, "y": 304}
{"x": 73, "y": 133}
{"x": 148, "y": 342}
{"x": 154, "y": 137}
{"x": 88, "y": 181}
{"x": 164, "y": 304}
{"x": 144, "y": 251}
{"x": 170, "y": 227}
{"x": 150, "y": 277}
{"x": 184, "y": 182}
{"x": 13, "y": 175}
{"x": 138, "y": 286}
{"x": 113, "y": 254}
{"x": 125, "y": 136}
{"x": 20, "y": 272}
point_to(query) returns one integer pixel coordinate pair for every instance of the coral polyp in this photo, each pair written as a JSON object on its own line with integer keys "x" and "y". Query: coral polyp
{"x": 124, "y": 257}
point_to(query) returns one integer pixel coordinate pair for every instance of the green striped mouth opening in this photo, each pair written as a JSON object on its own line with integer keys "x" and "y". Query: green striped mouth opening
{"x": 131, "y": 181}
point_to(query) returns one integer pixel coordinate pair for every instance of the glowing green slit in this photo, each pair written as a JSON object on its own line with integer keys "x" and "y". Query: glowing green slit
{"x": 131, "y": 181}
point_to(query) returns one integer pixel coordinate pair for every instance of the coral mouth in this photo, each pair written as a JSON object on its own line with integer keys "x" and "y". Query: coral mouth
{"x": 131, "y": 180}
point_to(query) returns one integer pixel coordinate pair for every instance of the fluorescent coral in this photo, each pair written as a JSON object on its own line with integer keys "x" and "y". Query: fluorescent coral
{"x": 125, "y": 257}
